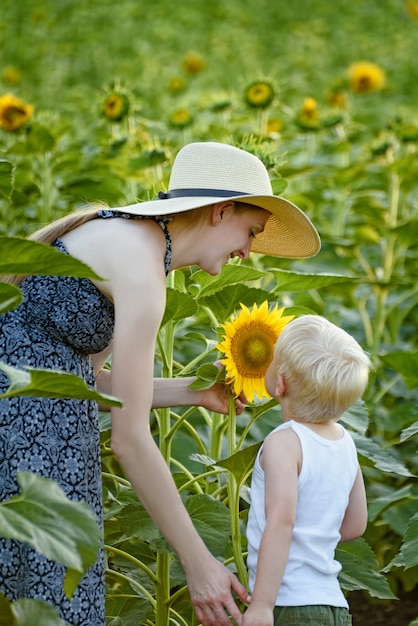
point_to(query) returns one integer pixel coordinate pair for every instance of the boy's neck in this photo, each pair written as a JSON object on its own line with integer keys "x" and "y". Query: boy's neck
{"x": 328, "y": 430}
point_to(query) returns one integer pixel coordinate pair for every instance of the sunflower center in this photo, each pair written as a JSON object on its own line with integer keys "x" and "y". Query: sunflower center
{"x": 252, "y": 350}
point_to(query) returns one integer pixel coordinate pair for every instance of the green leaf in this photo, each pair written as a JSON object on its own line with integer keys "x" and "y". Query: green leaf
{"x": 408, "y": 553}
{"x": 227, "y": 301}
{"x": 409, "y": 432}
{"x": 28, "y": 612}
{"x": 241, "y": 463}
{"x": 393, "y": 497}
{"x": 29, "y": 258}
{"x": 6, "y": 177}
{"x": 179, "y": 305}
{"x": 295, "y": 281}
{"x": 211, "y": 519}
{"x": 64, "y": 531}
{"x": 51, "y": 384}
{"x": 378, "y": 456}
{"x": 357, "y": 417}
{"x": 39, "y": 139}
{"x": 134, "y": 521}
{"x": 10, "y": 297}
{"x": 206, "y": 376}
{"x": 406, "y": 364}
{"x": 360, "y": 569}
{"x": 230, "y": 275}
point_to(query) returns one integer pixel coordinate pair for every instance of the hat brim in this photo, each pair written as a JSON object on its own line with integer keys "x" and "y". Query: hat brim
{"x": 288, "y": 232}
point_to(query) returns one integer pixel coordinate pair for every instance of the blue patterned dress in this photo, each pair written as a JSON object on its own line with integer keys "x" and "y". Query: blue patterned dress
{"x": 61, "y": 321}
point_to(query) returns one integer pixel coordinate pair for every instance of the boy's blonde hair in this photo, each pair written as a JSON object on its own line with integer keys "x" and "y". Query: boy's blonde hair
{"x": 324, "y": 368}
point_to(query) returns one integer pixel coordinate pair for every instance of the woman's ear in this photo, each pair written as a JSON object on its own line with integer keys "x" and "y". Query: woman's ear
{"x": 218, "y": 211}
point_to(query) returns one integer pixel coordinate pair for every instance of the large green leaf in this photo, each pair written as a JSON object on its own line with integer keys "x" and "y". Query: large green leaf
{"x": 360, "y": 569}
{"x": 10, "y": 297}
{"x": 406, "y": 363}
{"x": 391, "y": 498}
{"x": 179, "y": 305}
{"x": 408, "y": 555}
{"x": 374, "y": 455}
{"x": 231, "y": 275}
{"x": 211, "y": 519}
{"x": 241, "y": 463}
{"x": 27, "y": 612}
{"x": 227, "y": 301}
{"x": 51, "y": 384}
{"x": 295, "y": 281}
{"x": 64, "y": 531}
{"x": 26, "y": 257}
{"x": 356, "y": 417}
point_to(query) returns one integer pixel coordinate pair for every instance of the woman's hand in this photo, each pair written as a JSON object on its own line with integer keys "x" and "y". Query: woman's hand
{"x": 217, "y": 397}
{"x": 210, "y": 587}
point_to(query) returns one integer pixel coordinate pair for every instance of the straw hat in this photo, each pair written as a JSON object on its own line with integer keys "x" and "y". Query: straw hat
{"x": 207, "y": 172}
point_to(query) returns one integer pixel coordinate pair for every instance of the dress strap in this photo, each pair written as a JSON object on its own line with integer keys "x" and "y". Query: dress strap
{"x": 161, "y": 220}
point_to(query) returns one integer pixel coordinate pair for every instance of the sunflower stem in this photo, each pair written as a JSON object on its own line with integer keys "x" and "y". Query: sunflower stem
{"x": 233, "y": 497}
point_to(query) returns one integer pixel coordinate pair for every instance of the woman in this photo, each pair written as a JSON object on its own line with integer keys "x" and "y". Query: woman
{"x": 219, "y": 205}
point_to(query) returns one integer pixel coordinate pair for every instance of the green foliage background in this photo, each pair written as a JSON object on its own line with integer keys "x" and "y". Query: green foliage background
{"x": 355, "y": 174}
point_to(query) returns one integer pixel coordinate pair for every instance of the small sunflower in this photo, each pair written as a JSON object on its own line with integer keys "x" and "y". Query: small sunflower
{"x": 259, "y": 94}
{"x": 248, "y": 346}
{"x": 308, "y": 116}
{"x": 366, "y": 76}
{"x": 181, "y": 118}
{"x": 14, "y": 113}
{"x": 116, "y": 106}
{"x": 412, "y": 9}
{"x": 11, "y": 75}
{"x": 177, "y": 84}
{"x": 193, "y": 63}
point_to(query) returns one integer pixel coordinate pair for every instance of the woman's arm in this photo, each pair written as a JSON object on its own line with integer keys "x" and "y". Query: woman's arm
{"x": 139, "y": 299}
{"x": 355, "y": 518}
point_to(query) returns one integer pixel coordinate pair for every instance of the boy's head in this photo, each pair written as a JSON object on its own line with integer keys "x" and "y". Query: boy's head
{"x": 322, "y": 368}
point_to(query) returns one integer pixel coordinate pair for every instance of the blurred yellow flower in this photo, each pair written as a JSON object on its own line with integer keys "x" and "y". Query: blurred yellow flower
{"x": 14, "y": 113}
{"x": 176, "y": 84}
{"x": 248, "y": 346}
{"x": 412, "y": 8}
{"x": 308, "y": 116}
{"x": 337, "y": 99}
{"x": 11, "y": 75}
{"x": 259, "y": 94}
{"x": 181, "y": 118}
{"x": 274, "y": 126}
{"x": 193, "y": 63}
{"x": 366, "y": 76}
{"x": 116, "y": 106}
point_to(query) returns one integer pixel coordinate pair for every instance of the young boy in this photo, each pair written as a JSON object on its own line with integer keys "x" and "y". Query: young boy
{"x": 307, "y": 491}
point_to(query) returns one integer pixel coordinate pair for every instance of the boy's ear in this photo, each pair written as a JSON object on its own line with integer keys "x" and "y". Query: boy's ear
{"x": 280, "y": 386}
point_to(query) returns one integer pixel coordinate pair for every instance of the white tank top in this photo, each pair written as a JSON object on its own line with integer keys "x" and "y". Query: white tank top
{"x": 328, "y": 472}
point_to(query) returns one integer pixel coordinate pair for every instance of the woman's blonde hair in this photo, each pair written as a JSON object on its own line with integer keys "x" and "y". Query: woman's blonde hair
{"x": 49, "y": 233}
{"x": 324, "y": 368}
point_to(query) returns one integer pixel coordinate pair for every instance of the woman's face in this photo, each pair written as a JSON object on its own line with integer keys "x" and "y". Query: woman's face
{"x": 232, "y": 236}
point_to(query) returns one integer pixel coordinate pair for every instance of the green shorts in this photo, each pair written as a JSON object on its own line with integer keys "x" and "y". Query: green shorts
{"x": 312, "y": 615}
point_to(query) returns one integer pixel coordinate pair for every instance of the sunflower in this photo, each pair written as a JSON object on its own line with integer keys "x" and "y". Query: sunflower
{"x": 14, "y": 113}
{"x": 248, "y": 346}
{"x": 116, "y": 106}
{"x": 181, "y": 118}
{"x": 193, "y": 63}
{"x": 365, "y": 76}
{"x": 259, "y": 95}
{"x": 308, "y": 116}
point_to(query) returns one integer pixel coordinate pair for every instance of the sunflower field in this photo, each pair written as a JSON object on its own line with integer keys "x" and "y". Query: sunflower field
{"x": 96, "y": 98}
